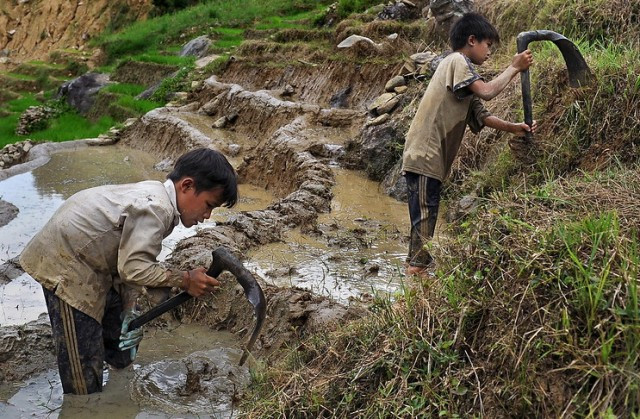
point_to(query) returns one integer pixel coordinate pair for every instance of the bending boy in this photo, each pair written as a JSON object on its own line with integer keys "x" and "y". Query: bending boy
{"x": 450, "y": 103}
{"x": 102, "y": 244}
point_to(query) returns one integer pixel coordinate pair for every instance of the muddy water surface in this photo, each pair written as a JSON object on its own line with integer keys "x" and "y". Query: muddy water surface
{"x": 38, "y": 194}
{"x": 169, "y": 361}
{"x": 358, "y": 248}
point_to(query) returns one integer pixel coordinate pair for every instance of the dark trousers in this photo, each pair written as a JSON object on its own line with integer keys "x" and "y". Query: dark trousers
{"x": 424, "y": 201}
{"x": 83, "y": 344}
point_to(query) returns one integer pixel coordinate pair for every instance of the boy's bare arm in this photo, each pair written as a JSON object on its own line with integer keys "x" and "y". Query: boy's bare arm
{"x": 518, "y": 129}
{"x": 488, "y": 91}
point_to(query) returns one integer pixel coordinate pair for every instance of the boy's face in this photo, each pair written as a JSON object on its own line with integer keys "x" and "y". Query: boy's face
{"x": 479, "y": 51}
{"x": 195, "y": 207}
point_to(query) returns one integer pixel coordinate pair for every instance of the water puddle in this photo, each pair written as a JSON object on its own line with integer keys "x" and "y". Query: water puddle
{"x": 188, "y": 371}
{"x": 21, "y": 301}
{"x": 359, "y": 247}
{"x": 39, "y": 193}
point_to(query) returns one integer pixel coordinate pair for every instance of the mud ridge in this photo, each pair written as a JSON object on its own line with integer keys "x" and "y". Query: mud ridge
{"x": 26, "y": 349}
{"x": 317, "y": 83}
{"x": 260, "y": 113}
{"x": 163, "y": 133}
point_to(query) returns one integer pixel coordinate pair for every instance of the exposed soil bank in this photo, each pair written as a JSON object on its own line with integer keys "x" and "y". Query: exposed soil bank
{"x": 8, "y": 212}
{"x": 319, "y": 84}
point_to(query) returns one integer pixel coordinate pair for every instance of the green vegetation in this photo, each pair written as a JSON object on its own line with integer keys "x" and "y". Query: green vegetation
{"x": 209, "y": 16}
{"x": 534, "y": 306}
{"x": 67, "y": 126}
{"x": 170, "y": 85}
{"x": 139, "y": 106}
{"x": 533, "y": 310}
{"x": 124, "y": 89}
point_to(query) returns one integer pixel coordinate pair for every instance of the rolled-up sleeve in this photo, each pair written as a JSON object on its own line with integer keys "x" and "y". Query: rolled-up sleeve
{"x": 476, "y": 116}
{"x": 143, "y": 230}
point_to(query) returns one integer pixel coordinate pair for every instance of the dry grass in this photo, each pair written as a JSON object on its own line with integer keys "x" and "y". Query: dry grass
{"x": 533, "y": 313}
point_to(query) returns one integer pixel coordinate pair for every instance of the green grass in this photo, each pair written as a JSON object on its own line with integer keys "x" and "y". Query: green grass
{"x": 140, "y": 106}
{"x": 297, "y": 21}
{"x": 22, "y": 103}
{"x": 142, "y": 36}
{"x": 68, "y": 126}
{"x": 19, "y": 76}
{"x": 226, "y": 38}
{"x": 127, "y": 89}
{"x": 540, "y": 285}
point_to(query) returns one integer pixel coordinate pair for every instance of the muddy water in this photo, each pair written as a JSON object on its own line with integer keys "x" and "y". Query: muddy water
{"x": 38, "y": 193}
{"x": 167, "y": 380}
{"x": 358, "y": 248}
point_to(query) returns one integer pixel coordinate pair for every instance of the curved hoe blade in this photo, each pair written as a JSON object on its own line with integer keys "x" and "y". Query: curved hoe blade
{"x": 579, "y": 73}
{"x": 223, "y": 260}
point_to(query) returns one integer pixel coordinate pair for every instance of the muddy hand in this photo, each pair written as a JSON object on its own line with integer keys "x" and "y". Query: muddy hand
{"x": 523, "y": 60}
{"x": 197, "y": 283}
{"x": 129, "y": 339}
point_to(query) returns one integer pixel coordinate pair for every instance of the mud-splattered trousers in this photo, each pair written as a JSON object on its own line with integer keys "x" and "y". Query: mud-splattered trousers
{"x": 424, "y": 201}
{"x": 83, "y": 344}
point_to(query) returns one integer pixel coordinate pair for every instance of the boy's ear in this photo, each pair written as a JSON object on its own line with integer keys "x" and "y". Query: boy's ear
{"x": 185, "y": 184}
{"x": 471, "y": 40}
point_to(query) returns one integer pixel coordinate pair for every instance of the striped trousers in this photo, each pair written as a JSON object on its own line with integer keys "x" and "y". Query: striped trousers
{"x": 424, "y": 201}
{"x": 83, "y": 344}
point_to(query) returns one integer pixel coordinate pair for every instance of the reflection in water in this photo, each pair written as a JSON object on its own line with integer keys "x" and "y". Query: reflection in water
{"x": 71, "y": 171}
{"x": 39, "y": 193}
{"x": 21, "y": 301}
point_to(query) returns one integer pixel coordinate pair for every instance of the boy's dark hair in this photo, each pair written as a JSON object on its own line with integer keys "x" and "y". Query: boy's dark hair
{"x": 210, "y": 169}
{"x": 471, "y": 24}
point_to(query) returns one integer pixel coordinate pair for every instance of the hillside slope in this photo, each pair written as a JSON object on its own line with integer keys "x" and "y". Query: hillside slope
{"x": 31, "y": 30}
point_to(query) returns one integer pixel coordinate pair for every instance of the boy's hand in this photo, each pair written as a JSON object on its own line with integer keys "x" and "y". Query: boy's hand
{"x": 197, "y": 283}
{"x": 522, "y": 61}
{"x": 522, "y": 128}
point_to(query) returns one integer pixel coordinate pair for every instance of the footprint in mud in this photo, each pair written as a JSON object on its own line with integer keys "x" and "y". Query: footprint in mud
{"x": 206, "y": 382}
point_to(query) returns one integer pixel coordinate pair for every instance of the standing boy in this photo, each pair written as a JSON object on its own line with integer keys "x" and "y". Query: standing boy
{"x": 102, "y": 244}
{"x": 451, "y": 102}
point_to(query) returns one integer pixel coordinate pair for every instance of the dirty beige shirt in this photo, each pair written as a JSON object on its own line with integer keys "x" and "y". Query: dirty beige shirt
{"x": 447, "y": 106}
{"x": 100, "y": 235}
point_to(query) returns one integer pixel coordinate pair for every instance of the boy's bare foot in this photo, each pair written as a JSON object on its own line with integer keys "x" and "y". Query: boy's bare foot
{"x": 416, "y": 270}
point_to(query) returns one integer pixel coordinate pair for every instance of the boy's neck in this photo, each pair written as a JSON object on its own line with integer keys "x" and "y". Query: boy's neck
{"x": 464, "y": 51}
